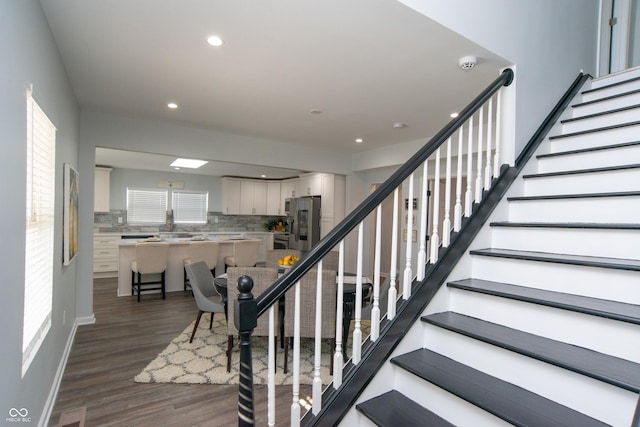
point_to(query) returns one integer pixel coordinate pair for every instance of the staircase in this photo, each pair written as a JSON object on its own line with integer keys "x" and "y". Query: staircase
{"x": 539, "y": 323}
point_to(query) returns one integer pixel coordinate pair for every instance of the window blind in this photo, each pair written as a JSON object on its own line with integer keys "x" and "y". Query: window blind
{"x": 190, "y": 207}
{"x": 146, "y": 206}
{"x": 39, "y": 239}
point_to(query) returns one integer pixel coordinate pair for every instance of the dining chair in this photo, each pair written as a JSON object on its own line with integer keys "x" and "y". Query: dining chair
{"x": 206, "y": 251}
{"x": 330, "y": 261}
{"x": 308, "y": 284}
{"x": 273, "y": 255}
{"x": 150, "y": 258}
{"x": 207, "y": 298}
{"x": 245, "y": 254}
{"x": 263, "y": 277}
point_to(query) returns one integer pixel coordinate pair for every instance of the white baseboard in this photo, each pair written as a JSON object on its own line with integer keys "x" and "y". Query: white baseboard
{"x": 53, "y": 393}
{"x": 87, "y": 320}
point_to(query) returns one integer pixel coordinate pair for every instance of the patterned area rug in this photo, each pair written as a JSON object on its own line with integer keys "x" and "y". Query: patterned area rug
{"x": 205, "y": 361}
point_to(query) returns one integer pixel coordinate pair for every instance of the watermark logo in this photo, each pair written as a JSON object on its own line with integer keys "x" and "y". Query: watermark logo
{"x": 18, "y": 415}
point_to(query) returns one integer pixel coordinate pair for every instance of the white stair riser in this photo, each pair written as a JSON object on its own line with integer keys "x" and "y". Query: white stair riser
{"x": 592, "y": 182}
{"x": 613, "y": 78}
{"x": 605, "y": 283}
{"x": 588, "y": 95}
{"x": 450, "y": 407}
{"x": 574, "y": 241}
{"x": 624, "y": 210}
{"x": 591, "y": 159}
{"x": 591, "y": 397}
{"x": 606, "y": 336}
{"x": 625, "y": 116}
{"x": 595, "y": 139}
{"x": 579, "y": 110}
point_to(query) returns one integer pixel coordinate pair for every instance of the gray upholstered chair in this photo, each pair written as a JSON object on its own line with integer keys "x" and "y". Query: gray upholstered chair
{"x": 263, "y": 277}
{"x": 245, "y": 254}
{"x": 330, "y": 261}
{"x": 274, "y": 255}
{"x": 151, "y": 258}
{"x": 308, "y": 310}
{"x": 206, "y": 251}
{"x": 207, "y": 298}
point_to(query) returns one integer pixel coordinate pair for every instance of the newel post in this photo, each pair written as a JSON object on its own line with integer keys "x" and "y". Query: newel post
{"x": 245, "y": 319}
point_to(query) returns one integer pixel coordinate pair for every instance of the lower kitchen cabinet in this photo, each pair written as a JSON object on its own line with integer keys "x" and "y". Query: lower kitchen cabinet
{"x": 105, "y": 255}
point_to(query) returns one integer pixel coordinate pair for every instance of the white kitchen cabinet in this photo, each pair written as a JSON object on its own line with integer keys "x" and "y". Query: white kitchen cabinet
{"x": 253, "y": 197}
{"x": 231, "y": 196}
{"x": 101, "y": 189}
{"x": 105, "y": 255}
{"x": 288, "y": 189}
{"x": 274, "y": 204}
{"x": 310, "y": 185}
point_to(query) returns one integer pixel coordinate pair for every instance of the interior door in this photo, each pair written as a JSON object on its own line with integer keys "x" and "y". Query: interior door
{"x": 619, "y": 36}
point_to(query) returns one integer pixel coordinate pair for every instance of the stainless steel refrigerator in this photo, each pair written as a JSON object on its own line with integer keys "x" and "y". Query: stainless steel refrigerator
{"x": 303, "y": 217}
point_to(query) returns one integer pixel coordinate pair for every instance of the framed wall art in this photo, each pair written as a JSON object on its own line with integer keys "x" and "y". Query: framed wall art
{"x": 70, "y": 215}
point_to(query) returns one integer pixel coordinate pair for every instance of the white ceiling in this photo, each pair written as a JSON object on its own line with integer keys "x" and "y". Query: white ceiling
{"x": 365, "y": 64}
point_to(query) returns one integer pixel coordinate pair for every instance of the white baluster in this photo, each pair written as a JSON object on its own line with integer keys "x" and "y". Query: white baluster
{"x": 457, "y": 211}
{"x": 424, "y": 206}
{"x": 496, "y": 158}
{"x": 468, "y": 197}
{"x": 271, "y": 369}
{"x": 435, "y": 237}
{"x": 478, "y": 197}
{"x": 375, "y": 310}
{"x": 446, "y": 223}
{"x": 295, "y": 405}
{"x": 487, "y": 170}
{"x": 391, "y": 308}
{"x": 317, "y": 381}
{"x": 408, "y": 275}
{"x": 338, "y": 358}
{"x": 357, "y": 332}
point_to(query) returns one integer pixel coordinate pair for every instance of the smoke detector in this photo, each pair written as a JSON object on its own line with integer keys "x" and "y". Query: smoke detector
{"x": 468, "y": 62}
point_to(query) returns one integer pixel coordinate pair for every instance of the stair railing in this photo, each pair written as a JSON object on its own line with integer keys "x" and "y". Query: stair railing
{"x": 483, "y": 163}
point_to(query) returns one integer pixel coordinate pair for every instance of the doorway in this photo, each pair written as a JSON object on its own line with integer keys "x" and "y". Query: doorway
{"x": 619, "y": 36}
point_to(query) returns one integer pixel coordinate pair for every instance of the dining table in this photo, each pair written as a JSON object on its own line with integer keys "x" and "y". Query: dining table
{"x": 348, "y": 296}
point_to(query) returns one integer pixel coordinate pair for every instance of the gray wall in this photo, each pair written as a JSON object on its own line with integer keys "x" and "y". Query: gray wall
{"x": 29, "y": 56}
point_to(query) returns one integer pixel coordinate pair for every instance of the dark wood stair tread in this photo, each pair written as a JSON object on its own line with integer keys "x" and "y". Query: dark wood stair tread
{"x": 574, "y": 196}
{"x": 569, "y": 225}
{"x": 611, "y": 85}
{"x": 395, "y": 409}
{"x": 594, "y": 130}
{"x": 507, "y": 401}
{"x": 582, "y": 260}
{"x": 606, "y": 98}
{"x": 593, "y": 306}
{"x": 589, "y": 149}
{"x": 600, "y": 114}
{"x": 581, "y": 171}
{"x": 609, "y": 369}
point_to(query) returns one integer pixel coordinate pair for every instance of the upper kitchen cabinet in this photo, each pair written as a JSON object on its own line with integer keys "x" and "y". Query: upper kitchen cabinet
{"x": 230, "y": 196}
{"x": 253, "y": 197}
{"x": 101, "y": 190}
{"x": 274, "y": 202}
{"x": 310, "y": 185}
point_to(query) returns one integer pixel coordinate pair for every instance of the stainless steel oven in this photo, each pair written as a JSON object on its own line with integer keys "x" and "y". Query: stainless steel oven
{"x": 281, "y": 241}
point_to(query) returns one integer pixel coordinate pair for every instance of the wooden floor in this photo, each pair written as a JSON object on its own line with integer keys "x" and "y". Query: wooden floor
{"x": 126, "y": 336}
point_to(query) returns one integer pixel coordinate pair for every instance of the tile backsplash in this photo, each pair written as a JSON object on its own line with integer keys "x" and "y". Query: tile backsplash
{"x": 107, "y": 222}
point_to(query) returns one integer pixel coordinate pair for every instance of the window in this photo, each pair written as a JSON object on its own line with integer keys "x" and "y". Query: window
{"x": 190, "y": 207}
{"x": 39, "y": 239}
{"x": 146, "y": 206}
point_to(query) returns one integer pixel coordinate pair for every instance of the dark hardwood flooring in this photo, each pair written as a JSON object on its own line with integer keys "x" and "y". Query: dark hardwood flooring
{"x": 126, "y": 336}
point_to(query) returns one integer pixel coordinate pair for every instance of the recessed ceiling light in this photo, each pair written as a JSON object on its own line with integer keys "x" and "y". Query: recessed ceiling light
{"x": 315, "y": 111}
{"x": 188, "y": 163}
{"x": 215, "y": 41}
{"x": 359, "y": 140}
{"x": 172, "y": 105}
{"x": 453, "y": 115}
{"x": 177, "y": 169}
{"x": 398, "y": 125}
{"x": 263, "y": 176}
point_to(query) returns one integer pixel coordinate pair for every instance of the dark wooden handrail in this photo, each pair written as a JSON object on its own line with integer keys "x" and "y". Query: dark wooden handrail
{"x": 335, "y": 236}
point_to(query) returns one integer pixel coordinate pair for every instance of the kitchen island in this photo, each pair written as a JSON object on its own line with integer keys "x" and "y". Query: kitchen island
{"x": 178, "y": 251}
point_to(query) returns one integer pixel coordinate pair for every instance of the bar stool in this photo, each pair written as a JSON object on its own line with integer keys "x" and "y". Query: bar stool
{"x": 245, "y": 254}
{"x": 151, "y": 258}
{"x": 206, "y": 251}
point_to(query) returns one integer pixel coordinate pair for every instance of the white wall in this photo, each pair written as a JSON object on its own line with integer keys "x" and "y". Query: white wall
{"x": 29, "y": 56}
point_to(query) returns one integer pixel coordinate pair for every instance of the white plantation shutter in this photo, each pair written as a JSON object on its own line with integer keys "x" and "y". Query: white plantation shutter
{"x": 146, "y": 206}
{"x": 190, "y": 207}
{"x": 39, "y": 240}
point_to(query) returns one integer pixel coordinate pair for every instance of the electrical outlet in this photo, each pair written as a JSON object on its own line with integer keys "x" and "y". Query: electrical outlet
{"x": 215, "y": 219}
{"x": 120, "y": 220}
